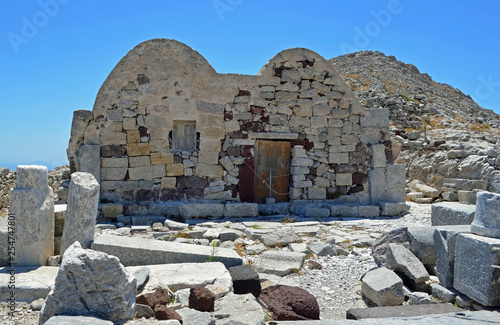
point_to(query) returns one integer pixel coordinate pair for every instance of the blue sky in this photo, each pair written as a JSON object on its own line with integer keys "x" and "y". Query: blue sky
{"x": 55, "y": 54}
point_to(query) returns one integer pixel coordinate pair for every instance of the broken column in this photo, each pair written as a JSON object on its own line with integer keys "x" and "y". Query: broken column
{"x": 81, "y": 212}
{"x": 477, "y": 255}
{"x": 32, "y": 207}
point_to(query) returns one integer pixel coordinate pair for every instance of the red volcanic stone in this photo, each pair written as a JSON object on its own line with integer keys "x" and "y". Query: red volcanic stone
{"x": 290, "y": 303}
{"x": 201, "y": 299}
{"x": 165, "y": 313}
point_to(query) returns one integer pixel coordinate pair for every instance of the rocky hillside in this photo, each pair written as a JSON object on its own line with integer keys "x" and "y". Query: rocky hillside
{"x": 441, "y": 132}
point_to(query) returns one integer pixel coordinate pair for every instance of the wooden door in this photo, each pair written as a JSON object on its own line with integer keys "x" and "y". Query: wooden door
{"x": 272, "y": 170}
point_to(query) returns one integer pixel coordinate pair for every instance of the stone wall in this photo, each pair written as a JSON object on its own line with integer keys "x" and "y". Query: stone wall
{"x": 7, "y": 182}
{"x": 126, "y": 142}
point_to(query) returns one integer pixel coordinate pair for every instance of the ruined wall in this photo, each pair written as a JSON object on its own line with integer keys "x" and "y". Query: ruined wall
{"x": 338, "y": 147}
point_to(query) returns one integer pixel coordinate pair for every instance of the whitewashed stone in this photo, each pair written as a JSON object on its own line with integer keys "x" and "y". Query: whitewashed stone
{"x": 81, "y": 213}
{"x": 487, "y": 215}
{"x": 91, "y": 283}
{"x": 32, "y": 210}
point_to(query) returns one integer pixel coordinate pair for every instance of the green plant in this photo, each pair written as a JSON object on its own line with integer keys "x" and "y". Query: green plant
{"x": 333, "y": 196}
{"x": 213, "y": 256}
{"x": 288, "y": 220}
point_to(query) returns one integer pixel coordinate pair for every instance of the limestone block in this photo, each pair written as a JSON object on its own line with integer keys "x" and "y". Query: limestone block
{"x": 109, "y": 290}
{"x": 282, "y": 236}
{"x": 113, "y": 138}
{"x": 213, "y": 171}
{"x": 378, "y": 117}
{"x": 396, "y": 176}
{"x": 90, "y": 160}
{"x": 227, "y": 163}
{"x": 91, "y": 135}
{"x": 292, "y": 76}
{"x": 119, "y": 185}
{"x": 383, "y": 287}
{"x": 140, "y": 161}
{"x": 319, "y": 122}
{"x": 476, "y": 268}
{"x": 300, "y": 120}
{"x": 322, "y": 182}
{"x": 238, "y": 309}
{"x": 201, "y": 210}
{"x": 445, "y": 238}
{"x": 137, "y": 149}
{"x": 133, "y": 136}
{"x": 175, "y": 169}
{"x": 350, "y": 139}
{"x": 81, "y": 212}
{"x": 113, "y": 174}
{"x": 391, "y": 209}
{"x": 396, "y": 195}
{"x": 208, "y": 157}
{"x": 377, "y": 181}
{"x": 338, "y": 158}
{"x": 400, "y": 259}
{"x": 32, "y": 209}
{"x": 344, "y": 211}
{"x": 464, "y": 197}
{"x": 369, "y": 211}
{"x": 168, "y": 182}
{"x": 81, "y": 119}
{"x": 147, "y": 172}
{"x": 231, "y": 126}
{"x": 111, "y": 210}
{"x": 343, "y": 179}
{"x": 302, "y": 162}
{"x": 487, "y": 217}
{"x": 378, "y": 156}
{"x": 160, "y": 158}
{"x": 279, "y": 263}
{"x": 134, "y": 251}
{"x": 114, "y": 163}
{"x": 316, "y": 193}
{"x": 451, "y": 213}
{"x": 129, "y": 123}
{"x": 236, "y": 210}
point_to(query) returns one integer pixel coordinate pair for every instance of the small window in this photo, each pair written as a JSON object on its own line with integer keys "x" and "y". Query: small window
{"x": 184, "y": 135}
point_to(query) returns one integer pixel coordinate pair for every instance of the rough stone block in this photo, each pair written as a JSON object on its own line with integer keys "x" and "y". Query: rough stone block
{"x": 190, "y": 211}
{"x": 111, "y": 210}
{"x": 213, "y": 171}
{"x": 368, "y": 211}
{"x": 81, "y": 213}
{"x": 400, "y": 259}
{"x": 378, "y": 117}
{"x": 420, "y": 314}
{"x": 134, "y": 251}
{"x": 487, "y": 217}
{"x": 114, "y": 163}
{"x": 476, "y": 268}
{"x": 32, "y": 283}
{"x": 378, "y": 156}
{"x": 279, "y": 263}
{"x": 168, "y": 182}
{"x": 159, "y": 158}
{"x": 344, "y": 211}
{"x": 245, "y": 280}
{"x": 378, "y": 185}
{"x": 383, "y": 287}
{"x": 90, "y": 160}
{"x": 317, "y": 213}
{"x": 316, "y": 193}
{"x": 338, "y": 158}
{"x": 137, "y": 149}
{"x": 113, "y": 174}
{"x": 451, "y": 213}
{"x": 147, "y": 172}
{"x": 396, "y": 176}
{"x": 391, "y": 209}
{"x": 237, "y": 210}
{"x": 133, "y": 136}
{"x": 445, "y": 238}
{"x": 105, "y": 277}
{"x": 140, "y": 161}
{"x": 175, "y": 169}
{"x": 343, "y": 180}
{"x": 113, "y": 138}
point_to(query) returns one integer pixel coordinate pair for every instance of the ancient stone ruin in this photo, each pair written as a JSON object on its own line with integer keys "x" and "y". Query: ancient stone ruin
{"x": 167, "y": 127}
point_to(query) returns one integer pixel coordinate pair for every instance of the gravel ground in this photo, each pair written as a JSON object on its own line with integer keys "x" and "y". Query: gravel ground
{"x": 336, "y": 286}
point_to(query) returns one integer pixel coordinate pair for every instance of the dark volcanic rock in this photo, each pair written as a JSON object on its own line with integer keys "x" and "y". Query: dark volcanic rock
{"x": 245, "y": 280}
{"x": 290, "y": 303}
{"x": 201, "y": 299}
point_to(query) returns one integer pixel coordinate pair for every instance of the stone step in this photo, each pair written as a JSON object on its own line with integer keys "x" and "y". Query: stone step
{"x": 143, "y": 251}
{"x": 459, "y": 318}
{"x": 401, "y": 311}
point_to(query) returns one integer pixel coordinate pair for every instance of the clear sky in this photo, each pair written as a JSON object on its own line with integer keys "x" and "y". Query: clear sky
{"x": 55, "y": 54}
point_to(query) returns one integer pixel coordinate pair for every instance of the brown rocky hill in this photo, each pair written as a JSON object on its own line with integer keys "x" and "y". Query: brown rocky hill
{"x": 442, "y": 132}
